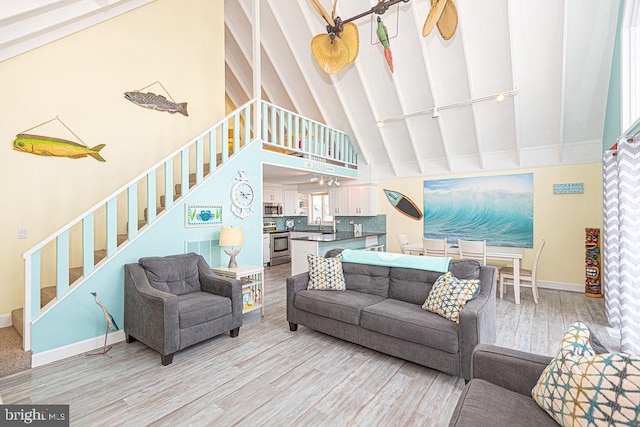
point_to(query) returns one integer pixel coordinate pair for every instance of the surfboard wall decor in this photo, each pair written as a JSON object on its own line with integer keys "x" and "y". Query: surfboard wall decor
{"x": 404, "y": 204}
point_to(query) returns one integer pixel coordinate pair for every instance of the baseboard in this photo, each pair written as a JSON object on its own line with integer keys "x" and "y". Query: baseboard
{"x": 49, "y": 356}
{"x": 5, "y": 320}
{"x": 559, "y": 286}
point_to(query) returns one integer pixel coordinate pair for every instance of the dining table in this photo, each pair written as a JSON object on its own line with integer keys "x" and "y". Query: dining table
{"x": 508, "y": 253}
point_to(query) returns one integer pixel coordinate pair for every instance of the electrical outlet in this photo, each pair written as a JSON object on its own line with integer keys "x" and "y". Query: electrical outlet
{"x": 337, "y": 221}
{"x": 351, "y": 222}
{"x": 22, "y": 233}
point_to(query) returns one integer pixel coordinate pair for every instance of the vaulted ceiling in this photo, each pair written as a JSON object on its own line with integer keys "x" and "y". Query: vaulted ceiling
{"x": 554, "y": 56}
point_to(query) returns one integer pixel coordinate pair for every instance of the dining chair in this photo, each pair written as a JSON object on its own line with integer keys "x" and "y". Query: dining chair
{"x": 528, "y": 278}
{"x": 473, "y": 249}
{"x": 434, "y": 247}
{"x": 402, "y": 239}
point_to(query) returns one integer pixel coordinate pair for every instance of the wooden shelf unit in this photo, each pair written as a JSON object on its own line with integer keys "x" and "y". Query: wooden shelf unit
{"x": 252, "y": 278}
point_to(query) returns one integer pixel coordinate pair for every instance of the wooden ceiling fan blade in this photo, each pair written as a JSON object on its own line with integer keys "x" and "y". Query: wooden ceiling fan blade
{"x": 333, "y": 11}
{"x": 323, "y": 12}
{"x": 437, "y": 6}
{"x": 351, "y": 38}
{"x": 331, "y": 55}
{"x": 448, "y": 22}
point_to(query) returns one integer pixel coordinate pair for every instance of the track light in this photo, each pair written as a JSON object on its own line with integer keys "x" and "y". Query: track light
{"x": 321, "y": 180}
{"x": 336, "y": 182}
{"x": 330, "y": 183}
{"x": 314, "y": 178}
{"x": 435, "y": 111}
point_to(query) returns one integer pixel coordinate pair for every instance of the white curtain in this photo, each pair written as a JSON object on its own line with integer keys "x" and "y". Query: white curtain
{"x": 621, "y": 274}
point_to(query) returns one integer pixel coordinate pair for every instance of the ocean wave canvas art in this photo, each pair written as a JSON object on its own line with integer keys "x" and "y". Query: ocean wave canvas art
{"x": 498, "y": 209}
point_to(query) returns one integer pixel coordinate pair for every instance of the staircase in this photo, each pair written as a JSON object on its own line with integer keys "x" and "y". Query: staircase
{"x": 102, "y": 226}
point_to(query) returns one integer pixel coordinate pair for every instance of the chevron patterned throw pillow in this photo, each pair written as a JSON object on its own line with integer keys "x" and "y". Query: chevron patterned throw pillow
{"x": 325, "y": 274}
{"x": 449, "y": 295}
{"x": 582, "y": 388}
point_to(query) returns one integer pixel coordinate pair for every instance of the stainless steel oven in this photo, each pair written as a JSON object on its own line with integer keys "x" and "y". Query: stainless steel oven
{"x": 280, "y": 248}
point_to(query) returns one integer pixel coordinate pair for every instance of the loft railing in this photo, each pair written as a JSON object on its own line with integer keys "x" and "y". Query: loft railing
{"x": 288, "y": 132}
{"x": 114, "y": 222}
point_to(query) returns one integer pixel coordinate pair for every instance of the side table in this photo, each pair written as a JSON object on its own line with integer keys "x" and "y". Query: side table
{"x": 251, "y": 277}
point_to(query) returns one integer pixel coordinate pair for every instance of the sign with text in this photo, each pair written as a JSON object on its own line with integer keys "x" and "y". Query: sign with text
{"x": 574, "y": 188}
{"x": 34, "y": 415}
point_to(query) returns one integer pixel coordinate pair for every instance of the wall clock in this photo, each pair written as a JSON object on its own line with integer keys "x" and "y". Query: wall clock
{"x": 242, "y": 195}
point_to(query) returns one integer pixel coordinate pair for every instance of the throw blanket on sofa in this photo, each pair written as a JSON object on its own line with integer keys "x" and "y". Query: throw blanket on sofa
{"x": 388, "y": 259}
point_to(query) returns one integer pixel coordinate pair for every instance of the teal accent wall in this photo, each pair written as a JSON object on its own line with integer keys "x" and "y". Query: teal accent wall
{"x": 612, "y": 126}
{"x": 77, "y": 318}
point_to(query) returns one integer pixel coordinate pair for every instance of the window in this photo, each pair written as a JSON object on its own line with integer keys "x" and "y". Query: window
{"x": 320, "y": 209}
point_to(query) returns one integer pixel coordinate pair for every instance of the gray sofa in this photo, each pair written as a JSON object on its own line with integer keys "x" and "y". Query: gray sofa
{"x": 499, "y": 393}
{"x": 381, "y": 310}
{"x": 176, "y": 301}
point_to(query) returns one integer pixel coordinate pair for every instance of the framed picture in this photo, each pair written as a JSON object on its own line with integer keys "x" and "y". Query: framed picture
{"x": 198, "y": 215}
{"x": 498, "y": 209}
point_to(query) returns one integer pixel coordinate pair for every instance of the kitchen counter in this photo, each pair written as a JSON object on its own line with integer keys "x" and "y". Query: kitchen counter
{"x": 339, "y": 236}
{"x": 319, "y": 244}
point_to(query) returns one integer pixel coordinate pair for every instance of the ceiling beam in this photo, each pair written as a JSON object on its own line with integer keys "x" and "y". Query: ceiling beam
{"x": 514, "y": 72}
{"x": 563, "y": 77}
{"x": 472, "y": 93}
{"x": 434, "y": 95}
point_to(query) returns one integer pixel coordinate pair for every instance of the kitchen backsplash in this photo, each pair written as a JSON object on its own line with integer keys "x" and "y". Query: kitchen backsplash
{"x": 369, "y": 223}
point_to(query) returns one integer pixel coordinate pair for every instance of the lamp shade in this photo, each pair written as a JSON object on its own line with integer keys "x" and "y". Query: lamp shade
{"x": 231, "y": 236}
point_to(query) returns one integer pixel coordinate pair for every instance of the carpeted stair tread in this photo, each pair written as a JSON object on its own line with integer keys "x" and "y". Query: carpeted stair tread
{"x": 146, "y": 211}
{"x": 17, "y": 316}
{"x": 12, "y": 358}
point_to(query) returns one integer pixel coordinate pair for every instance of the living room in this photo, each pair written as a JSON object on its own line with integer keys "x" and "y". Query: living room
{"x": 115, "y": 56}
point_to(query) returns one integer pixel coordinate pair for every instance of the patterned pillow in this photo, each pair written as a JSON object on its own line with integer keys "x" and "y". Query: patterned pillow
{"x": 325, "y": 274}
{"x": 449, "y": 295}
{"x": 580, "y": 387}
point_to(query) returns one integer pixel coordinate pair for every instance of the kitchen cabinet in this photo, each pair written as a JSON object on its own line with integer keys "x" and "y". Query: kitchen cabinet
{"x": 353, "y": 201}
{"x": 295, "y": 204}
{"x": 272, "y": 195}
{"x": 338, "y": 201}
{"x": 361, "y": 201}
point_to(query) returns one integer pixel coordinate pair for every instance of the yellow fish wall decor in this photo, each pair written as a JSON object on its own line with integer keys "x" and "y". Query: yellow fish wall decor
{"x": 48, "y": 146}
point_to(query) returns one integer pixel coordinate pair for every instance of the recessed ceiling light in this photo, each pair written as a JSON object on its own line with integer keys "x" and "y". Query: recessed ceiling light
{"x": 380, "y": 123}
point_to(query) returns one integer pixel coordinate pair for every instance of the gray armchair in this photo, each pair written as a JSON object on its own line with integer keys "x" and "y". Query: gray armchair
{"x": 499, "y": 393}
{"x": 176, "y": 301}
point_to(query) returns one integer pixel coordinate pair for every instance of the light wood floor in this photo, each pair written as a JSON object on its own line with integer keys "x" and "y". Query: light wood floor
{"x": 271, "y": 376}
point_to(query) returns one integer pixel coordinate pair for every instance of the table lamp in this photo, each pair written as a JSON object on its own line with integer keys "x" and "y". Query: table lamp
{"x": 231, "y": 236}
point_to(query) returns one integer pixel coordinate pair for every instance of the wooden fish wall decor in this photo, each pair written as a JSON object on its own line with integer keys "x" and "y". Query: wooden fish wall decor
{"x": 156, "y": 102}
{"x": 48, "y": 146}
{"x": 404, "y": 204}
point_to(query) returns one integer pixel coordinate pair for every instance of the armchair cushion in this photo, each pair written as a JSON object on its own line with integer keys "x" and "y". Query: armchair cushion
{"x": 176, "y": 274}
{"x": 485, "y": 404}
{"x": 196, "y": 308}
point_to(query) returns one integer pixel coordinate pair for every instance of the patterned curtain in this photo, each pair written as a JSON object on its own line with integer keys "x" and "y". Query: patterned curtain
{"x": 621, "y": 275}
